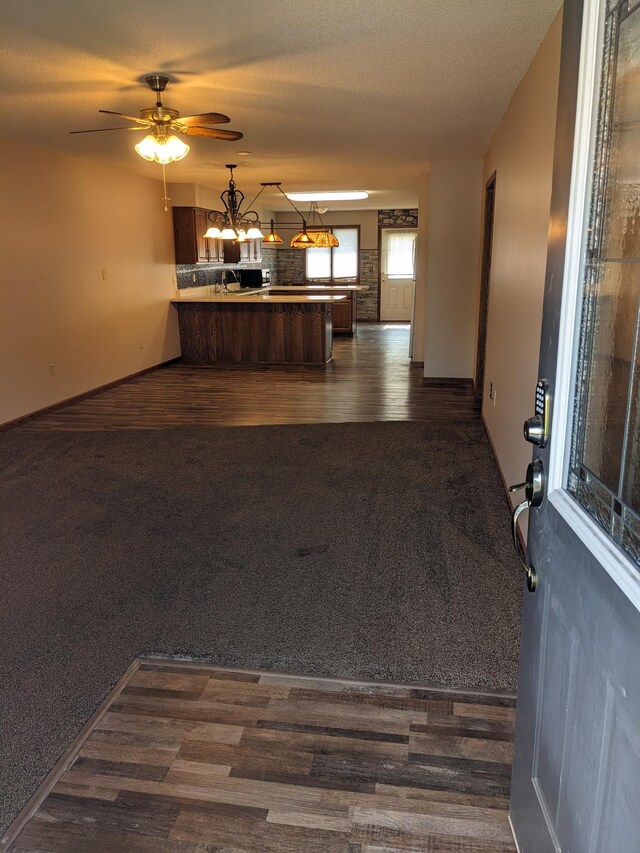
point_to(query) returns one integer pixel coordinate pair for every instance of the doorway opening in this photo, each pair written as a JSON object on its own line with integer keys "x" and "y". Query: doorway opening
{"x": 397, "y": 274}
{"x": 485, "y": 279}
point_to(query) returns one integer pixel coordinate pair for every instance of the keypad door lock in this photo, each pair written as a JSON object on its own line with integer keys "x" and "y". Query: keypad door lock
{"x": 536, "y": 428}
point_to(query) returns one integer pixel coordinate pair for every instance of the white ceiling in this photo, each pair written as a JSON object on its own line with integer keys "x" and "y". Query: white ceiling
{"x": 333, "y": 94}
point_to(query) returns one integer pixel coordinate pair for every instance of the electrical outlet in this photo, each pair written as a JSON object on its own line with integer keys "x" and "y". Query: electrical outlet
{"x": 104, "y": 275}
{"x": 141, "y": 344}
{"x": 495, "y": 395}
{"x": 52, "y": 370}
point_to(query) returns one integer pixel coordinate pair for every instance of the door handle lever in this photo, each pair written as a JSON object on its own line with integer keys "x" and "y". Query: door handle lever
{"x": 534, "y": 493}
{"x": 530, "y": 572}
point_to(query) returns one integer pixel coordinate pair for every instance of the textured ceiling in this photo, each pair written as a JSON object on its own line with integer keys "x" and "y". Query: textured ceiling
{"x": 339, "y": 94}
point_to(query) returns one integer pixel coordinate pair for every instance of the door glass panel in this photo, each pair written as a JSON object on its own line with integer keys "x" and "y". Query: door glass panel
{"x": 604, "y": 471}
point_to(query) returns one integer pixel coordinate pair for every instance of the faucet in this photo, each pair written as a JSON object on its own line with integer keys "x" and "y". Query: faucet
{"x": 225, "y": 279}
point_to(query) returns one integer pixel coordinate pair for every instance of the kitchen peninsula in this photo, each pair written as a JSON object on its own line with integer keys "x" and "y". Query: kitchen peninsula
{"x": 256, "y": 326}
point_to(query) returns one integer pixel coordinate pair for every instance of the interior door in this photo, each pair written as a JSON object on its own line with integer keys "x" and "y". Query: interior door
{"x": 576, "y": 772}
{"x": 397, "y": 275}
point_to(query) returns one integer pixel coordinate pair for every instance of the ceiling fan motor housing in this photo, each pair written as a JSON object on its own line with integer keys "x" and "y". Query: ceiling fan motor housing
{"x": 156, "y": 82}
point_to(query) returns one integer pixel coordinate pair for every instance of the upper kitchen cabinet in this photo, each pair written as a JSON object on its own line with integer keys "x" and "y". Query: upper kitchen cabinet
{"x": 192, "y": 247}
{"x": 236, "y": 253}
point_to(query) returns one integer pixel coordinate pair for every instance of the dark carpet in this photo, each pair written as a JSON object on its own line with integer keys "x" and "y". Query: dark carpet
{"x": 375, "y": 550}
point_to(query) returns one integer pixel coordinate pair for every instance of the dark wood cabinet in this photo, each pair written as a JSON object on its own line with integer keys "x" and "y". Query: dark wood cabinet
{"x": 344, "y": 316}
{"x": 189, "y": 227}
{"x": 231, "y": 252}
{"x": 344, "y": 312}
{"x": 192, "y": 247}
{"x": 262, "y": 332}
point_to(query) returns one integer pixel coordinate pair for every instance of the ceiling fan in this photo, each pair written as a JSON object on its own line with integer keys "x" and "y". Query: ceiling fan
{"x": 161, "y": 145}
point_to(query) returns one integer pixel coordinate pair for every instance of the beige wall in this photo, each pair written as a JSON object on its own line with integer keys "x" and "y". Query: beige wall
{"x": 65, "y": 220}
{"x": 521, "y": 155}
{"x": 453, "y": 268}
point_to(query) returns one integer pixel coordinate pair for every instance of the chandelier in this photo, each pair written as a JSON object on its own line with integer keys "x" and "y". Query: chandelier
{"x": 234, "y": 223}
{"x": 242, "y": 224}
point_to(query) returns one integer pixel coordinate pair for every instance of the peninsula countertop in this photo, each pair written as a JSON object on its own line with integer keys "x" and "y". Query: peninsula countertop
{"x": 263, "y": 296}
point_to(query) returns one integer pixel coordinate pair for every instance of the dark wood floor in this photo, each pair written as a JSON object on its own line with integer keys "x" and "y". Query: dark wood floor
{"x": 202, "y": 759}
{"x": 369, "y": 379}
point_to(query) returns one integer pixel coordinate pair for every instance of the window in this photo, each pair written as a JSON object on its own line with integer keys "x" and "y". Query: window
{"x": 399, "y": 253}
{"x": 335, "y": 264}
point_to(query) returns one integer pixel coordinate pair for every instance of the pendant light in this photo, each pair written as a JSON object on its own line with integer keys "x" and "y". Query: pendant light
{"x": 320, "y": 234}
{"x": 272, "y": 237}
{"x": 302, "y": 240}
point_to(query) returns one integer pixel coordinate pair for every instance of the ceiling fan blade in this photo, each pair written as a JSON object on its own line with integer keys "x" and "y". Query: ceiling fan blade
{"x": 205, "y": 118}
{"x": 123, "y": 115}
{"x": 212, "y": 133}
{"x": 102, "y": 129}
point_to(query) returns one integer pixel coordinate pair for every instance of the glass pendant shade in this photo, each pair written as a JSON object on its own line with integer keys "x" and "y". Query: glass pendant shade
{"x": 272, "y": 237}
{"x": 254, "y": 233}
{"x": 302, "y": 240}
{"x": 242, "y": 236}
{"x": 213, "y": 232}
{"x": 228, "y": 234}
{"x": 147, "y": 148}
{"x": 324, "y": 239}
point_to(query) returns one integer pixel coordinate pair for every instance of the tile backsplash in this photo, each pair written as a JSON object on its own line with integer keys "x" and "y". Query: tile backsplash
{"x": 198, "y": 275}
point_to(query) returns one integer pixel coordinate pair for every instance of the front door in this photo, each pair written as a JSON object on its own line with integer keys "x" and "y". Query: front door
{"x": 576, "y": 773}
{"x": 397, "y": 273}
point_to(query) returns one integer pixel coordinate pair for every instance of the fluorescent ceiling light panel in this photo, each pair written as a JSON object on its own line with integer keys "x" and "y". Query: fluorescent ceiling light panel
{"x": 349, "y": 195}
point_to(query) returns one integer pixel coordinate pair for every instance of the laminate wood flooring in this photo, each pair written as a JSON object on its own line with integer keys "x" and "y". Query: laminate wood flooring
{"x": 369, "y": 379}
{"x": 194, "y": 758}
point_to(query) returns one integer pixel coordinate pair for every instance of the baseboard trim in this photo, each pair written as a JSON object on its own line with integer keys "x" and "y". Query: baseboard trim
{"x": 85, "y": 394}
{"x": 448, "y": 382}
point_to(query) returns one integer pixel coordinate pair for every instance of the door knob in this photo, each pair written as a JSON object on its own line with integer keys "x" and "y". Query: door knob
{"x": 534, "y": 430}
{"x": 534, "y": 494}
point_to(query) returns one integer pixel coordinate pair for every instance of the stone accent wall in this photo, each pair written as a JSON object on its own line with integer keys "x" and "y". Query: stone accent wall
{"x": 402, "y": 216}
{"x": 368, "y": 299}
{"x": 290, "y": 266}
{"x": 270, "y": 262}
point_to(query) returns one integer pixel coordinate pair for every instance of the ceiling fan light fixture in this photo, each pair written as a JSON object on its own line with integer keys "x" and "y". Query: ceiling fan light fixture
{"x": 147, "y": 148}
{"x": 162, "y": 149}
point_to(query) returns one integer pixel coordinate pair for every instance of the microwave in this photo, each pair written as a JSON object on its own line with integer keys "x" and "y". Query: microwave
{"x": 253, "y": 278}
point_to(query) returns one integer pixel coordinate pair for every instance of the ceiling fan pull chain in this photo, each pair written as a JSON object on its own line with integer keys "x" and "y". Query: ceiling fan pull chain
{"x": 166, "y": 199}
